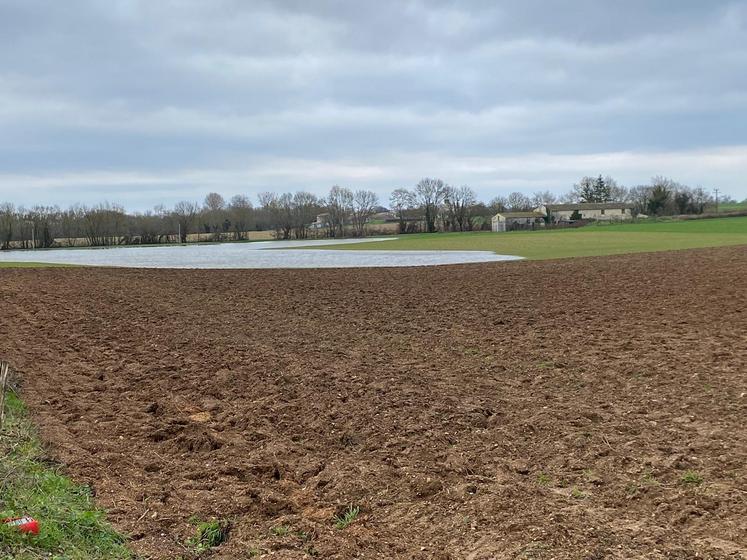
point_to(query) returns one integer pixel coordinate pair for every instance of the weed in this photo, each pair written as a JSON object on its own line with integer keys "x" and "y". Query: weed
{"x": 577, "y": 494}
{"x": 304, "y": 536}
{"x": 692, "y": 477}
{"x": 280, "y": 530}
{"x": 350, "y": 515}
{"x": 631, "y": 489}
{"x": 543, "y": 479}
{"x": 648, "y": 479}
{"x": 209, "y": 534}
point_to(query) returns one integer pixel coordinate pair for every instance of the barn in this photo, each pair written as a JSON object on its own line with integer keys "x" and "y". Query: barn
{"x": 602, "y": 211}
{"x": 507, "y": 221}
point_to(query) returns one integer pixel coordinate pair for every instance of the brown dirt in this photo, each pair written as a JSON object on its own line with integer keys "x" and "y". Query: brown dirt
{"x": 524, "y": 410}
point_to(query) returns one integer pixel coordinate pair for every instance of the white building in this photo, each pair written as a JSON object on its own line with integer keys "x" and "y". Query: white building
{"x": 554, "y": 213}
{"x": 606, "y": 211}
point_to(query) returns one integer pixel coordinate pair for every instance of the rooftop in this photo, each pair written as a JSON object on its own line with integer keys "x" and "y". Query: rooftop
{"x": 588, "y": 206}
{"x": 521, "y": 214}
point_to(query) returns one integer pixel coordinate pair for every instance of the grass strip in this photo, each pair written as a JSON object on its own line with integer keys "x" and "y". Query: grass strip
{"x": 71, "y": 527}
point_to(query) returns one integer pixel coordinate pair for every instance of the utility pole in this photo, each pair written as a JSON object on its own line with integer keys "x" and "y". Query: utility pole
{"x": 716, "y": 191}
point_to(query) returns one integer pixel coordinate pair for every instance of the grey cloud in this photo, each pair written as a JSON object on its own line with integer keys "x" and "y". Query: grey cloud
{"x": 164, "y": 89}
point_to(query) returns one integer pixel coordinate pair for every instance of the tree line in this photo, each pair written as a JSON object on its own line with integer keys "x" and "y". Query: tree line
{"x": 432, "y": 205}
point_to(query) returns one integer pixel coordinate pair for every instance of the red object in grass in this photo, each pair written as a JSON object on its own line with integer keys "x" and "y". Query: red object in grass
{"x": 24, "y": 524}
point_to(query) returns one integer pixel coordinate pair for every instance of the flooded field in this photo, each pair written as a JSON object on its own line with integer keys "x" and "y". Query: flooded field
{"x": 264, "y": 254}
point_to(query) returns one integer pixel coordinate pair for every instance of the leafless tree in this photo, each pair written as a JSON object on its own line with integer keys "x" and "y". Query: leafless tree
{"x": 241, "y": 214}
{"x": 184, "y": 214}
{"x": 429, "y": 194}
{"x": 214, "y": 202}
{"x": 518, "y": 202}
{"x": 543, "y": 198}
{"x": 618, "y": 193}
{"x": 270, "y": 206}
{"x": 497, "y": 204}
{"x": 7, "y": 223}
{"x": 363, "y": 207}
{"x": 305, "y": 208}
{"x": 458, "y": 202}
{"x": 70, "y": 221}
{"x": 401, "y": 201}
{"x": 213, "y": 216}
{"x": 339, "y": 207}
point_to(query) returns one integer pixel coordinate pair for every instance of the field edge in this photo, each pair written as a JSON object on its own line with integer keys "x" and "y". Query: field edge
{"x": 70, "y": 524}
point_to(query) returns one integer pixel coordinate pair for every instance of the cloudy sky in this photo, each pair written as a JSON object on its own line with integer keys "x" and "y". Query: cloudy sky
{"x": 143, "y": 102}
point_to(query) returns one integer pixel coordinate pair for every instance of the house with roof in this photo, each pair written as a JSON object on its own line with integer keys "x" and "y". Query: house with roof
{"x": 555, "y": 213}
{"x": 507, "y": 221}
{"x": 601, "y": 211}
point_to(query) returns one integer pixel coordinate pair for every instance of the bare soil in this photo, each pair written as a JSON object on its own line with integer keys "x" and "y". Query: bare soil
{"x": 528, "y": 410}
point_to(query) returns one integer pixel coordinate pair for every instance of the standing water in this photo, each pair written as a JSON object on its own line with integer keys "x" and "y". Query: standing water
{"x": 259, "y": 254}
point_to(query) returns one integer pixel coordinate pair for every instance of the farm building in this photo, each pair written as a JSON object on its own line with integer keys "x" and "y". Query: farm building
{"x": 611, "y": 211}
{"x": 321, "y": 222}
{"x": 506, "y": 221}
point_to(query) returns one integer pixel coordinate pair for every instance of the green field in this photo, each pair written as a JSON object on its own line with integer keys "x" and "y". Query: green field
{"x": 592, "y": 240}
{"x": 732, "y": 206}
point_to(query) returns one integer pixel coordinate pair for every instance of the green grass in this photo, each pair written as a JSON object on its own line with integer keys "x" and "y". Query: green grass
{"x": 30, "y": 265}
{"x": 592, "y": 240}
{"x": 71, "y": 528}
{"x": 732, "y": 206}
{"x": 209, "y": 534}
{"x": 350, "y": 515}
{"x": 543, "y": 479}
{"x": 281, "y": 530}
{"x": 692, "y": 477}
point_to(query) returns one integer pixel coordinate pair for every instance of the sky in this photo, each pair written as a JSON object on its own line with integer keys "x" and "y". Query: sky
{"x": 143, "y": 103}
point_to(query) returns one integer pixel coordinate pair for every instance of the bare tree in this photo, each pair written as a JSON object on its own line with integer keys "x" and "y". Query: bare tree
{"x": 618, "y": 193}
{"x": 518, "y": 202}
{"x": 497, "y": 204}
{"x": 401, "y": 201}
{"x": 7, "y": 223}
{"x": 339, "y": 207}
{"x": 285, "y": 215}
{"x": 214, "y": 217}
{"x": 42, "y": 219}
{"x": 305, "y": 207}
{"x": 270, "y": 207}
{"x": 241, "y": 214}
{"x": 429, "y": 194}
{"x": 214, "y": 202}
{"x": 458, "y": 202}
{"x": 543, "y": 198}
{"x": 363, "y": 207}
{"x": 70, "y": 221}
{"x": 184, "y": 214}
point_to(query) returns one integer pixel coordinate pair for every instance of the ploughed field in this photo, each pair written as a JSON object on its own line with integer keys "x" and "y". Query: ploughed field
{"x": 583, "y": 408}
